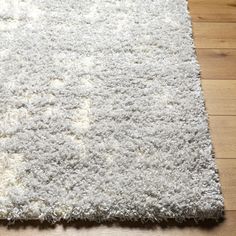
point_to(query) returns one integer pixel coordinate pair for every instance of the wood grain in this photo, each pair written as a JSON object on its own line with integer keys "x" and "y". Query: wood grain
{"x": 213, "y": 10}
{"x": 214, "y": 35}
{"x": 220, "y": 96}
{"x": 223, "y": 132}
{"x": 217, "y": 63}
{"x": 227, "y": 168}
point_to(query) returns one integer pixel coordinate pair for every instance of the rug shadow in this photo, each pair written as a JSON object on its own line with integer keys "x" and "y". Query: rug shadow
{"x": 80, "y": 224}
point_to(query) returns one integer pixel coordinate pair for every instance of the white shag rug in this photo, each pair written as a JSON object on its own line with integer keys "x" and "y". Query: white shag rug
{"x": 101, "y": 113}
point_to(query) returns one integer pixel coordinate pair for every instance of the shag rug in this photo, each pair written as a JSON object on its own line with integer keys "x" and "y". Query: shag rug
{"x": 101, "y": 113}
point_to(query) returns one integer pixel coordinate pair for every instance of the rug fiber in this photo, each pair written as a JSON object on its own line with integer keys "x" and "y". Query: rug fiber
{"x": 101, "y": 113}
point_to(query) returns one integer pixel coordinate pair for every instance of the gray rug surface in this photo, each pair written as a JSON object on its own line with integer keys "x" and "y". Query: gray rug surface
{"x": 102, "y": 115}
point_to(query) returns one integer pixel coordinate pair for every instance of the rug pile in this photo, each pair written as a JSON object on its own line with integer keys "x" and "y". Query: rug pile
{"x": 101, "y": 113}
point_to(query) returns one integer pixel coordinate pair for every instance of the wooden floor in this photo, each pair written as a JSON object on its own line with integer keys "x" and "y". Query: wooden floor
{"x": 214, "y": 25}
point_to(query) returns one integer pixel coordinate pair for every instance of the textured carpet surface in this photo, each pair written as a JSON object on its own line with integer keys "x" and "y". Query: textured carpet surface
{"x": 101, "y": 113}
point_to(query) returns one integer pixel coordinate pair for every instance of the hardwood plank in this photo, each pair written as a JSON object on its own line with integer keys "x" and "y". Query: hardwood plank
{"x": 227, "y": 169}
{"x": 220, "y": 96}
{"x": 213, "y": 10}
{"x": 223, "y": 132}
{"x": 227, "y": 228}
{"x": 214, "y": 35}
{"x": 217, "y": 63}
